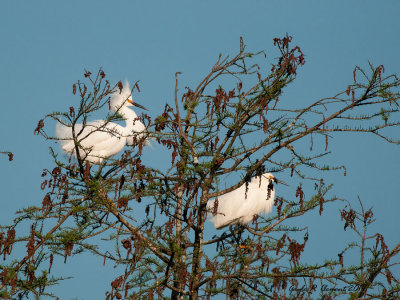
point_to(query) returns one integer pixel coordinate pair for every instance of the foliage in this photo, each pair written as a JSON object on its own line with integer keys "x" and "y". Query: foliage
{"x": 156, "y": 217}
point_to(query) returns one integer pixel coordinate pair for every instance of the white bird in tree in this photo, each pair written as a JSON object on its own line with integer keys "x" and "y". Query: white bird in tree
{"x": 245, "y": 202}
{"x": 101, "y": 139}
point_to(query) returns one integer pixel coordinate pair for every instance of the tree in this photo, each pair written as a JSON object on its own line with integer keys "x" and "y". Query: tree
{"x": 209, "y": 133}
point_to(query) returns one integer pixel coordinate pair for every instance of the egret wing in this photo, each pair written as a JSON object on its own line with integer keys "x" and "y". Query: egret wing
{"x": 92, "y": 134}
{"x": 231, "y": 207}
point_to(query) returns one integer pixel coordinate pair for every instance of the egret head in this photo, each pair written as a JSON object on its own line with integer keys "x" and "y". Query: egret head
{"x": 123, "y": 98}
{"x": 269, "y": 177}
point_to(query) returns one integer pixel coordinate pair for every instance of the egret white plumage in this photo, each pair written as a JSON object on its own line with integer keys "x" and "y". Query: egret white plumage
{"x": 243, "y": 203}
{"x": 101, "y": 139}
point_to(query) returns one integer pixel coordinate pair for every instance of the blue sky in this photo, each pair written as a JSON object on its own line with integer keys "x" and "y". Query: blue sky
{"x": 46, "y": 45}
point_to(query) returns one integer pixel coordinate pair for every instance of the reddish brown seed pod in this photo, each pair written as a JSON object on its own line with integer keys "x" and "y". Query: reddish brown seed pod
{"x": 120, "y": 86}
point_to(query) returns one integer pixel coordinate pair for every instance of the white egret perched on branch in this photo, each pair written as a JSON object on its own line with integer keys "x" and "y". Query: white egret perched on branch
{"x": 101, "y": 139}
{"x": 245, "y": 202}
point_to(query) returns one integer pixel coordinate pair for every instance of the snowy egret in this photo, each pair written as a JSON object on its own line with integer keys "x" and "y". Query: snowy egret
{"x": 101, "y": 139}
{"x": 242, "y": 204}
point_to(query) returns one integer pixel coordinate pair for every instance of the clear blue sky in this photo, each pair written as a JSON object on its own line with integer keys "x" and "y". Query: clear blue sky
{"x": 46, "y": 45}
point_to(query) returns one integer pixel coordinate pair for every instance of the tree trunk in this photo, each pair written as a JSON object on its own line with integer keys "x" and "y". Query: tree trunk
{"x": 198, "y": 239}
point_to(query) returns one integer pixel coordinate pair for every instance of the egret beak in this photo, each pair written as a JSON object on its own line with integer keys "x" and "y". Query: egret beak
{"x": 280, "y": 181}
{"x": 136, "y": 104}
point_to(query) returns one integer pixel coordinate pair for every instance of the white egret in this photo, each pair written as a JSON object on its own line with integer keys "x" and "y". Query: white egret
{"x": 101, "y": 139}
{"x": 243, "y": 203}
